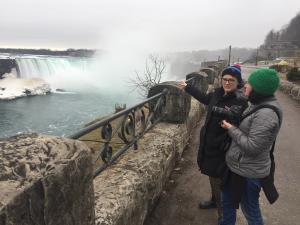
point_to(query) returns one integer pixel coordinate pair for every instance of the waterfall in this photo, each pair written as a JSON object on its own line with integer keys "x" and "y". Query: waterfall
{"x": 47, "y": 66}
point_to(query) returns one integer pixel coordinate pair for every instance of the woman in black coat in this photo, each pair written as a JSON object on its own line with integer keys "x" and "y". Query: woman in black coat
{"x": 226, "y": 101}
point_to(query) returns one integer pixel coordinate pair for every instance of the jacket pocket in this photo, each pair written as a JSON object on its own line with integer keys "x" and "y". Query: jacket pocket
{"x": 234, "y": 155}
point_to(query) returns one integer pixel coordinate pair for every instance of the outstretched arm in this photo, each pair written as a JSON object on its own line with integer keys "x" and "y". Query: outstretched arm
{"x": 197, "y": 94}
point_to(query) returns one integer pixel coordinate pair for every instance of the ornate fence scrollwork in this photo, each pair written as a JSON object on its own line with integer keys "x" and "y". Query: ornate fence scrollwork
{"x": 141, "y": 121}
{"x": 106, "y": 132}
{"x": 122, "y": 130}
{"x": 127, "y": 133}
{"x": 106, "y": 151}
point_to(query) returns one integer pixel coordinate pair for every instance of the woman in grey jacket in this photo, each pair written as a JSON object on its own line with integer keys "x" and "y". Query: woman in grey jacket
{"x": 248, "y": 157}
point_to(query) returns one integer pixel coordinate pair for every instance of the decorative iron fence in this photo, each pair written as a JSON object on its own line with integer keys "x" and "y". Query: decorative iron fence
{"x": 112, "y": 136}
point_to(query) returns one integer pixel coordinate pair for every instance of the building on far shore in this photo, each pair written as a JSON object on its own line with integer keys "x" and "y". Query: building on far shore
{"x": 278, "y": 49}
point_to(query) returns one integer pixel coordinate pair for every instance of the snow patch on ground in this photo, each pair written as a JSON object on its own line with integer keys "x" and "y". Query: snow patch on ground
{"x": 12, "y": 87}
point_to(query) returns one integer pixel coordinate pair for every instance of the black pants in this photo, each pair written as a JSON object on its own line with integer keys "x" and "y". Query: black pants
{"x": 215, "y": 184}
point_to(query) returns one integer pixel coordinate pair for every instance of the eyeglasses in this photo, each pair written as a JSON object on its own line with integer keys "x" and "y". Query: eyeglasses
{"x": 229, "y": 80}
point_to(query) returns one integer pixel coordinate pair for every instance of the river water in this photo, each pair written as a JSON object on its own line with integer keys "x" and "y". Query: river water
{"x": 57, "y": 114}
{"x": 90, "y": 96}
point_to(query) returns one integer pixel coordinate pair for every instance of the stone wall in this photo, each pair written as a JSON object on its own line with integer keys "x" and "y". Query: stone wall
{"x": 45, "y": 180}
{"x": 291, "y": 89}
{"x": 127, "y": 191}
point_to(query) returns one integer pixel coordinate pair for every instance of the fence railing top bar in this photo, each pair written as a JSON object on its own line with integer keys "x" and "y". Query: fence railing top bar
{"x": 94, "y": 126}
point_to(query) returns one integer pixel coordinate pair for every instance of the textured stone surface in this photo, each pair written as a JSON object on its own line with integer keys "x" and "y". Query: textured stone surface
{"x": 291, "y": 89}
{"x": 128, "y": 190}
{"x": 178, "y": 103}
{"x": 295, "y": 93}
{"x": 220, "y": 63}
{"x": 218, "y": 68}
{"x": 211, "y": 74}
{"x": 45, "y": 180}
{"x": 286, "y": 86}
{"x": 200, "y": 80}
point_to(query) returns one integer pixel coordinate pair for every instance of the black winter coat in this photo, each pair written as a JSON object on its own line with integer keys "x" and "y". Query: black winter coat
{"x": 213, "y": 138}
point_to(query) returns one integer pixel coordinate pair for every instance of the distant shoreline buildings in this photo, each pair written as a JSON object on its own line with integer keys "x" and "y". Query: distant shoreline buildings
{"x": 277, "y": 49}
{"x": 281, "y": 50}
{"x": 68, "y": 52}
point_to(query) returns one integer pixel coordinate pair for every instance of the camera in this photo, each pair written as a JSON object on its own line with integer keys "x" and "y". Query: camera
{"x": 232, "y": 114}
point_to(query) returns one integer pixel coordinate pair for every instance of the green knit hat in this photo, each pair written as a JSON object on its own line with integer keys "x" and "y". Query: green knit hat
{"x": 264, "y": 81}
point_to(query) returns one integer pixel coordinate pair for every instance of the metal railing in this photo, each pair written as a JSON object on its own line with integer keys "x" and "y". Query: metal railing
{"x": 122, "y": 130}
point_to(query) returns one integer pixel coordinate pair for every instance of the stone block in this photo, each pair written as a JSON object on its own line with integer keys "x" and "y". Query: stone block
{"x": 216, "y": 68}
{"x": 45, "y": 180}
{"x": 177, "y": 102}
{"x": 125, "y": 192}
{"x": 295, "y": 92}
{"x": 199, "y": 81}
{"x": 286, "y": 86}
{"x": 211, "y": 74}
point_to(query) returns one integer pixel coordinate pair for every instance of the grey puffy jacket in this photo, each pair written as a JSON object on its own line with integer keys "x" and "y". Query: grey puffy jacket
{"x": 249, "y": 152}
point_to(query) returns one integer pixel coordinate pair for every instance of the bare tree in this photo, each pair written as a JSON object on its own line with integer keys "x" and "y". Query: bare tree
{"x": 154, "y": 69}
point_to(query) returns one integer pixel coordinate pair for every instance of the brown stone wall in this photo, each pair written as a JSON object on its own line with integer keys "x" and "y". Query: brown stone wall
{"x": 293, "y": 90}
{"x": 45, "y": 180}
{"x": 128, "y": 190}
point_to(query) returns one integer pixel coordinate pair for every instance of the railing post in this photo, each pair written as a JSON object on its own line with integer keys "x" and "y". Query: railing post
{"x": 199, "y": 80}
{"x": 211, "y": 74}
{"x": 177, "y": 105}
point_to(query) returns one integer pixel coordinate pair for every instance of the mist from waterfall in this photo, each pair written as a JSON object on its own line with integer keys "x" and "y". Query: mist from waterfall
{"x": 123, "y": 53}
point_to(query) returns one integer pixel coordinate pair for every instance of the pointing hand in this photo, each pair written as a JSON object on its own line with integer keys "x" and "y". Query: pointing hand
{"x": 181, "y": 85}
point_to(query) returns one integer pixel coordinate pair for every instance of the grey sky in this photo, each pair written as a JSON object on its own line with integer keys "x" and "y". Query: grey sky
{"x": 169, "y": 25}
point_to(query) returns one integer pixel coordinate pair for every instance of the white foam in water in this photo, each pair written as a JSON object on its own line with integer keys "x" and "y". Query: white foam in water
{"x": 63, "y": 92}
{"x": 67, "y": 73}
{"x": 12, "y": 87}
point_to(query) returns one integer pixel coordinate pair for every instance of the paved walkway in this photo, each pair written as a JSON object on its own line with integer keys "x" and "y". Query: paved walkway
{"x": 178, "y": 203}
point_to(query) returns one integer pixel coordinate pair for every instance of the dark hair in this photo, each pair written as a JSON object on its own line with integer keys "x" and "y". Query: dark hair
{"x": 241, "y": 84}
{"x": 256, "y": 98}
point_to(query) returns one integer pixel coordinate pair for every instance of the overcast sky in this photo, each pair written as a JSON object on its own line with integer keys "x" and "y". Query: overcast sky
{"x": 169, "y": 25}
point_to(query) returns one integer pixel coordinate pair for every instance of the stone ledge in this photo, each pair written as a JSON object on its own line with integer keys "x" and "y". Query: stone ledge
{"x": 127, "y": 191}
{"x": 45, "y": 180}
{"x": 291, "y": 89}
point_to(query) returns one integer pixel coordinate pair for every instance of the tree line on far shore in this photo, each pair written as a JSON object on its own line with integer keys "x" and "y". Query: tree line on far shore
{"x": 290, "y": 32}
{"x": 68, "y": 52}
